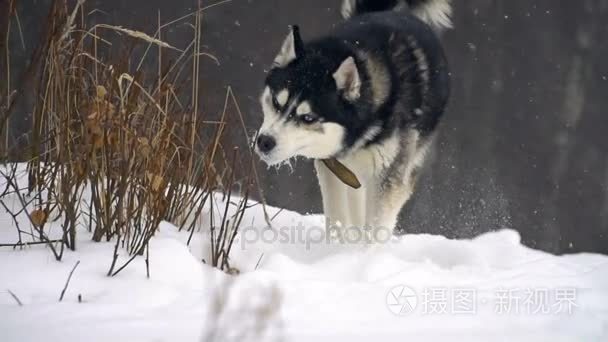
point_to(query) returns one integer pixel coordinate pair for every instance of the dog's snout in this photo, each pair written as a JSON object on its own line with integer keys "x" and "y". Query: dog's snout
{"x": 266, "y": 143}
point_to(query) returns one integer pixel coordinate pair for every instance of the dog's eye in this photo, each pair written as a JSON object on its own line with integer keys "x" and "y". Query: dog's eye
{"x": 308, "y": 118}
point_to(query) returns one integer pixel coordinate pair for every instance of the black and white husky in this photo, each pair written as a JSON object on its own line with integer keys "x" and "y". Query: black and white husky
{"x": 369, "y": 94}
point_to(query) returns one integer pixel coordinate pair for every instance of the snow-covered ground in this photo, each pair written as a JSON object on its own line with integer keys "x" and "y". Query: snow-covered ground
{"x": 296, "y": 286}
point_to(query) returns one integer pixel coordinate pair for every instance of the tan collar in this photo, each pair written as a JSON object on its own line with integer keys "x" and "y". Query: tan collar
{"x": 342, "y": 172}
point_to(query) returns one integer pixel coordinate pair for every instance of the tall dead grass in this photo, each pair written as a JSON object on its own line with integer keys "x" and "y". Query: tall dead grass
{"x": 114, "y": 147}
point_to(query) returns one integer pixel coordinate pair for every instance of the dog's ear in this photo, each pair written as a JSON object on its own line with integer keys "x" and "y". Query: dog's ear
{"x": 293, "y": 48}
{"x": 348, "y": 79}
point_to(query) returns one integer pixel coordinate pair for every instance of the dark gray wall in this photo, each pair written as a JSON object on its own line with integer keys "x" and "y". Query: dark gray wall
{"x": 523, "y": 144}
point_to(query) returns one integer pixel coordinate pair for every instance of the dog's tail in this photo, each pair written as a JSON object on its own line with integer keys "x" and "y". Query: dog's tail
{"x": 436, "y": 13}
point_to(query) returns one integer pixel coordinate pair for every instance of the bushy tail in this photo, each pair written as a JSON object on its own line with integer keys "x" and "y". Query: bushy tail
{"x": 436, "y": 13}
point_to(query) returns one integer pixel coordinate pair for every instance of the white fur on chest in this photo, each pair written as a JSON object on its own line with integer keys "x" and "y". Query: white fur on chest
{"x": 373, "y": 207}
{"x": 369, "y": 163}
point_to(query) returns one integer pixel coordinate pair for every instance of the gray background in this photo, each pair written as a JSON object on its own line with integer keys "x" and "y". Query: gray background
{"x": 523, "y": 143}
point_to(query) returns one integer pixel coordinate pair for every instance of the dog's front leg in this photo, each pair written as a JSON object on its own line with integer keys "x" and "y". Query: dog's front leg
{"x": 335, "y": 201}
{"x": 383, "y": 207}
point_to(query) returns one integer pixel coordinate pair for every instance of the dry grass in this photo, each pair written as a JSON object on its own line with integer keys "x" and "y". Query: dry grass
{"x": 104, "y": 126}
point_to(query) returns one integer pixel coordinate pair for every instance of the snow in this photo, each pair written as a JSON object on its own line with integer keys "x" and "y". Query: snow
{"x": 296, "y": 285}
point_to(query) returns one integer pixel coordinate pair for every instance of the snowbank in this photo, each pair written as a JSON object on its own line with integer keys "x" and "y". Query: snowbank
{"x": 296, "y": 286}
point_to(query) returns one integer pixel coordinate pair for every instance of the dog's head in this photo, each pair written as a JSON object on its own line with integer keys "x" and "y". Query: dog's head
{"x": 306, "y": 102}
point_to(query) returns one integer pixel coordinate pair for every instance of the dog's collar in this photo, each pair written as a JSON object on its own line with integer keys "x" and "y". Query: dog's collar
{"x": 342, "y": 172}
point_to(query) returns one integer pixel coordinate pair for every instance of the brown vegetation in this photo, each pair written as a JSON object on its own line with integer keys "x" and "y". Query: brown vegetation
{"x": 114, "y": 147}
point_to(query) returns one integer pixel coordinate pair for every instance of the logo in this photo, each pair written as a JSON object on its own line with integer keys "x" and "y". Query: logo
{"x": 401, "y": 300}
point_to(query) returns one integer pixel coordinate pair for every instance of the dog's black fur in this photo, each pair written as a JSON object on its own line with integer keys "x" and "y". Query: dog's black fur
{"x": 385, "y": 36}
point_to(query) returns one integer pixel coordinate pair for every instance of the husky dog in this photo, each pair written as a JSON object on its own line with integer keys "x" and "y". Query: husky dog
{"x": 369, "y": 94}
